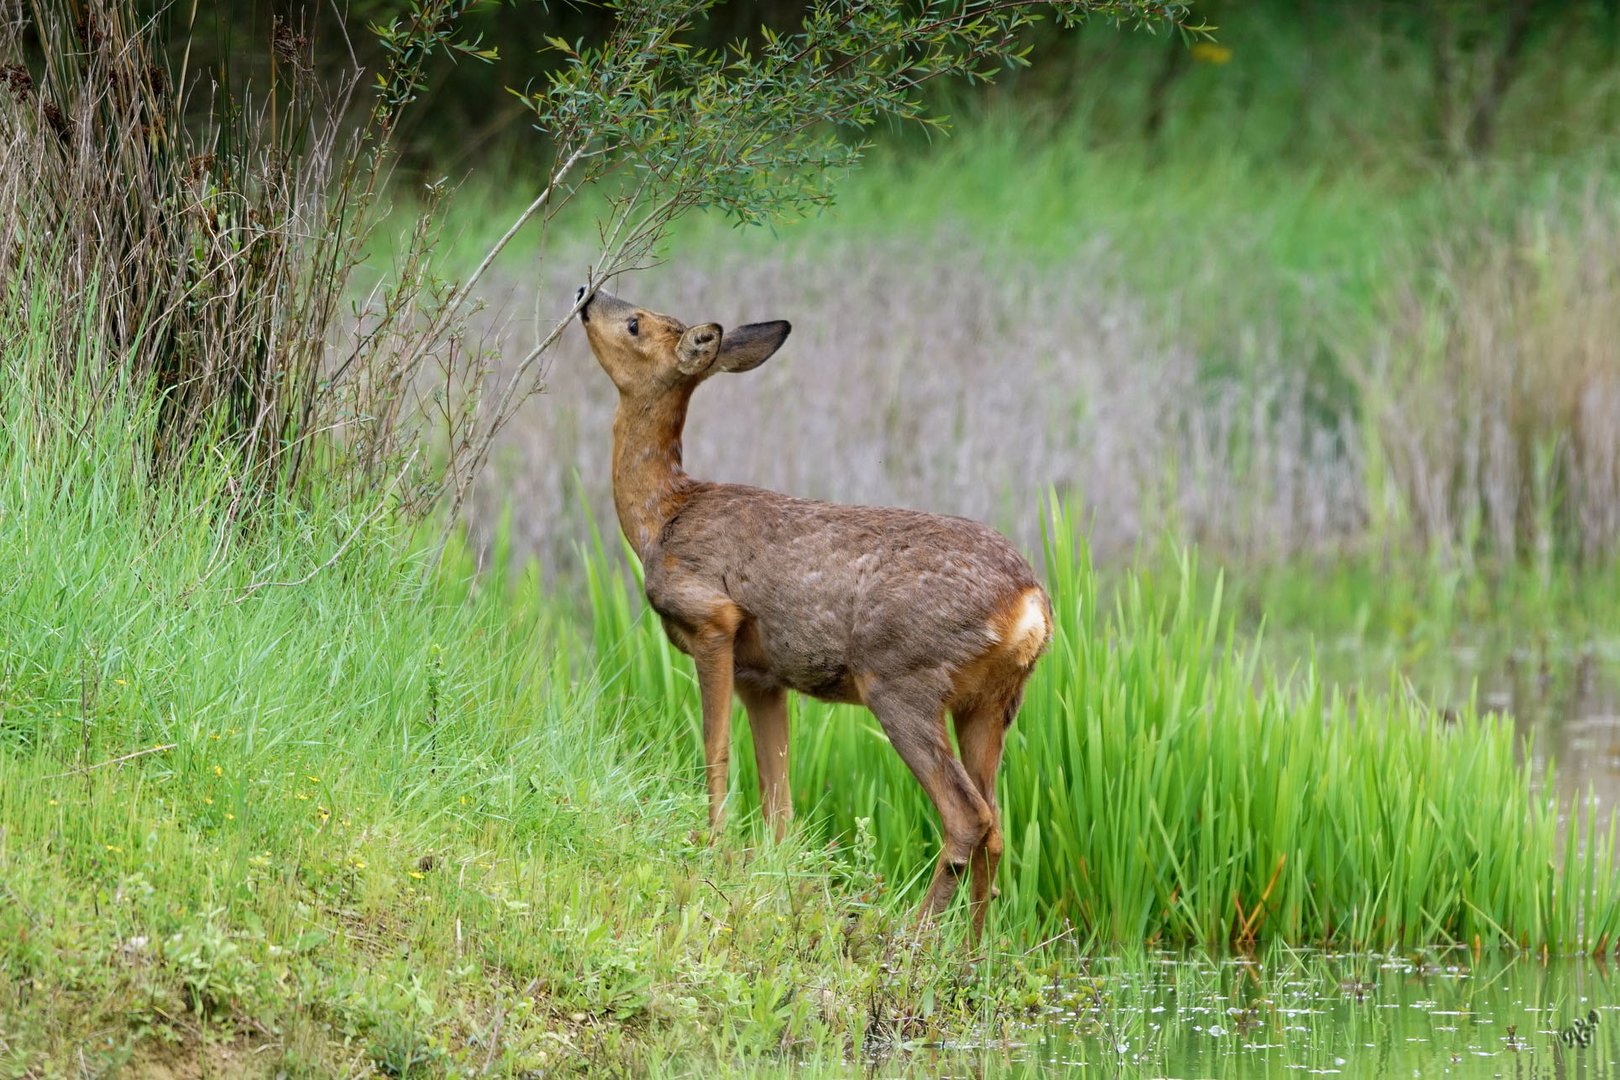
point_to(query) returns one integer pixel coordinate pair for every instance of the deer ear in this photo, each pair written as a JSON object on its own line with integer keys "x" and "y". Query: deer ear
{"x": 697, "y": 348}
{"x": 747, "y": 347}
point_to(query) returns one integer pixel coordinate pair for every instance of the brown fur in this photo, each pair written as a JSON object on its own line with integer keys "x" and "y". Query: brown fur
{"x": 910, "y": 614}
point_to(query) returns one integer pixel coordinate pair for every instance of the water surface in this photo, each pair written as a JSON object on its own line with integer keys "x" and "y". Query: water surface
{"x": 1306, "y": 1013}
{"x": 1290, "y": 1014}
{"x": 1563, "y": 696}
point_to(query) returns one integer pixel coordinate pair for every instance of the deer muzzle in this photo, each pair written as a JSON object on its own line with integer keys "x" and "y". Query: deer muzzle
{"x": 600, "y": 303}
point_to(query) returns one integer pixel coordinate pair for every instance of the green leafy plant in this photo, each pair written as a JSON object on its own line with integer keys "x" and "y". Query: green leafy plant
{"x": 1162, "y": 786}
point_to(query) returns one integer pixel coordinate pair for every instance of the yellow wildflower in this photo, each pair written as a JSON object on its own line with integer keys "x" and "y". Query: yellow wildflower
{"x": 218, "y": 771}
{"x": 1209, "y": 52}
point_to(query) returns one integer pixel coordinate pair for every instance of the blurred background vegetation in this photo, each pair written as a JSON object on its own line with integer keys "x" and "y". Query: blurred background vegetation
{"x": 1330, "y": 292}
{"x": 1327, "y": 279}
{"x": 1383, "y": 86}
{"x": 1327, "y": 291}
{"x": 1335, "y": 280}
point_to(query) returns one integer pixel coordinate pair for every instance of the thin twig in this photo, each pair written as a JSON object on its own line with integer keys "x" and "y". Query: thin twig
{"x": 111, "y": 761}
{"x": 382, "y": 504}
{"x": 557, "y": 177}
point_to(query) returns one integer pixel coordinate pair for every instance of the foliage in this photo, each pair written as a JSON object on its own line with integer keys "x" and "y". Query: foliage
{"x": 1455, "y": 82}
{"x": 1151, "y": 793}
{"x": 756, "y": 133}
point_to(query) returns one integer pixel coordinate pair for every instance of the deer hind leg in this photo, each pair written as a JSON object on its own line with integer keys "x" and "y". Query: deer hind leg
{"x": 913, "y": 716}
{"x": 768, "y": 719}
{"x": 981, "y": 731}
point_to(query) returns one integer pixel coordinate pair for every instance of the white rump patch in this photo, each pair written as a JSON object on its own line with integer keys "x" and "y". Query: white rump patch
{"x": 1029, "y": 633}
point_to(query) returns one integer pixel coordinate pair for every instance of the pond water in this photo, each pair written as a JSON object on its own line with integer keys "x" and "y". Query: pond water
{"x": 1565, "y": 696}
{"x": 1310, "y": 1014}
{"x": 1289, "y": 1013}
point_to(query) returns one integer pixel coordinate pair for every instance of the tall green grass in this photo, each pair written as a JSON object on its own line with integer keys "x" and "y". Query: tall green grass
{"x": 281, "y": 794}
{"x": 1161, "y": 785}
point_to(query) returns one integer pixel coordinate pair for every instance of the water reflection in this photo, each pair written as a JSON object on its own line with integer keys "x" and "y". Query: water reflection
{"x": 1565, "y": 696}
{"x": 1289, "y": 1013}
{"x": 1312, "y": 1014}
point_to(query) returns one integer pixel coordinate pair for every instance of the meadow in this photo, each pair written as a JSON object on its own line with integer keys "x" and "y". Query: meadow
{"x": 313, "y": 781}
{"x": 301, "y": 798}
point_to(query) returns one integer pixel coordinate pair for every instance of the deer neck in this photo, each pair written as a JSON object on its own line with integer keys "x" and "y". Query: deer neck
{"x": 649, "y": 484}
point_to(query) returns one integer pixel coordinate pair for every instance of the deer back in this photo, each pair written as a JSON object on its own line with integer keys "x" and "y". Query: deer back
{"x": 828, "y": 595}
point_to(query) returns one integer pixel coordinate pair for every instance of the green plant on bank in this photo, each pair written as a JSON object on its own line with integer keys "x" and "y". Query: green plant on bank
{"x": 1152, "y": 794}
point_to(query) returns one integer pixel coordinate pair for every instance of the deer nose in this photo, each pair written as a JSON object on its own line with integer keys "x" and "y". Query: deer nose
{"x": 584, "y": 312}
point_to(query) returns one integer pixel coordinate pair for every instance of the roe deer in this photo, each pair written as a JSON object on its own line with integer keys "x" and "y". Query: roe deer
{"x": 907, "y": 613}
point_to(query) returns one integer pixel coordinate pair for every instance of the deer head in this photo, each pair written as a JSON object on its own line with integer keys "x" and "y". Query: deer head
{"x": 648, "y": 355}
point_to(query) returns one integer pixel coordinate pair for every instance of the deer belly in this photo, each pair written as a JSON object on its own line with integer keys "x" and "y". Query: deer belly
{"x": 768, "y": 661}
{"x": 676, "y": 633}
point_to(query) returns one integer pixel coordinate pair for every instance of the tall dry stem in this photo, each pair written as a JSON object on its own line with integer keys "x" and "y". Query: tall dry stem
{"x": 1496, "y": 390}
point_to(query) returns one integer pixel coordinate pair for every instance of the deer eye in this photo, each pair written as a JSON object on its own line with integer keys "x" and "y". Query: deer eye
{"x": 635, "y": 327}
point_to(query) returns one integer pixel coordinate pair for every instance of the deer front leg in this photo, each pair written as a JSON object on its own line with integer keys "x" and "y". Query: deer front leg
{"x": 711, "y": 652}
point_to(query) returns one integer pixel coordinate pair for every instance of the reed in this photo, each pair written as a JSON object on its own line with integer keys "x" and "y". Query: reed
{"x": 1163, "y": 785}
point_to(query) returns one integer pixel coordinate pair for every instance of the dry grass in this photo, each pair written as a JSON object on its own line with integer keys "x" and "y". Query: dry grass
{"x": 188, "y": 237}
{"x": 941, "y": 374}
{"x": 1495, "y": 394}
{"x": 1481, "y": 416}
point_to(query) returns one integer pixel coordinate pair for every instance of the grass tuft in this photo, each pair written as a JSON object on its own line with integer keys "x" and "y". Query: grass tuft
{"x": 1163, "y": 786}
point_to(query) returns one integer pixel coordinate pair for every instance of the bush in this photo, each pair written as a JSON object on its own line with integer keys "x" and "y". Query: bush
{"x": 195, "y": 238}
